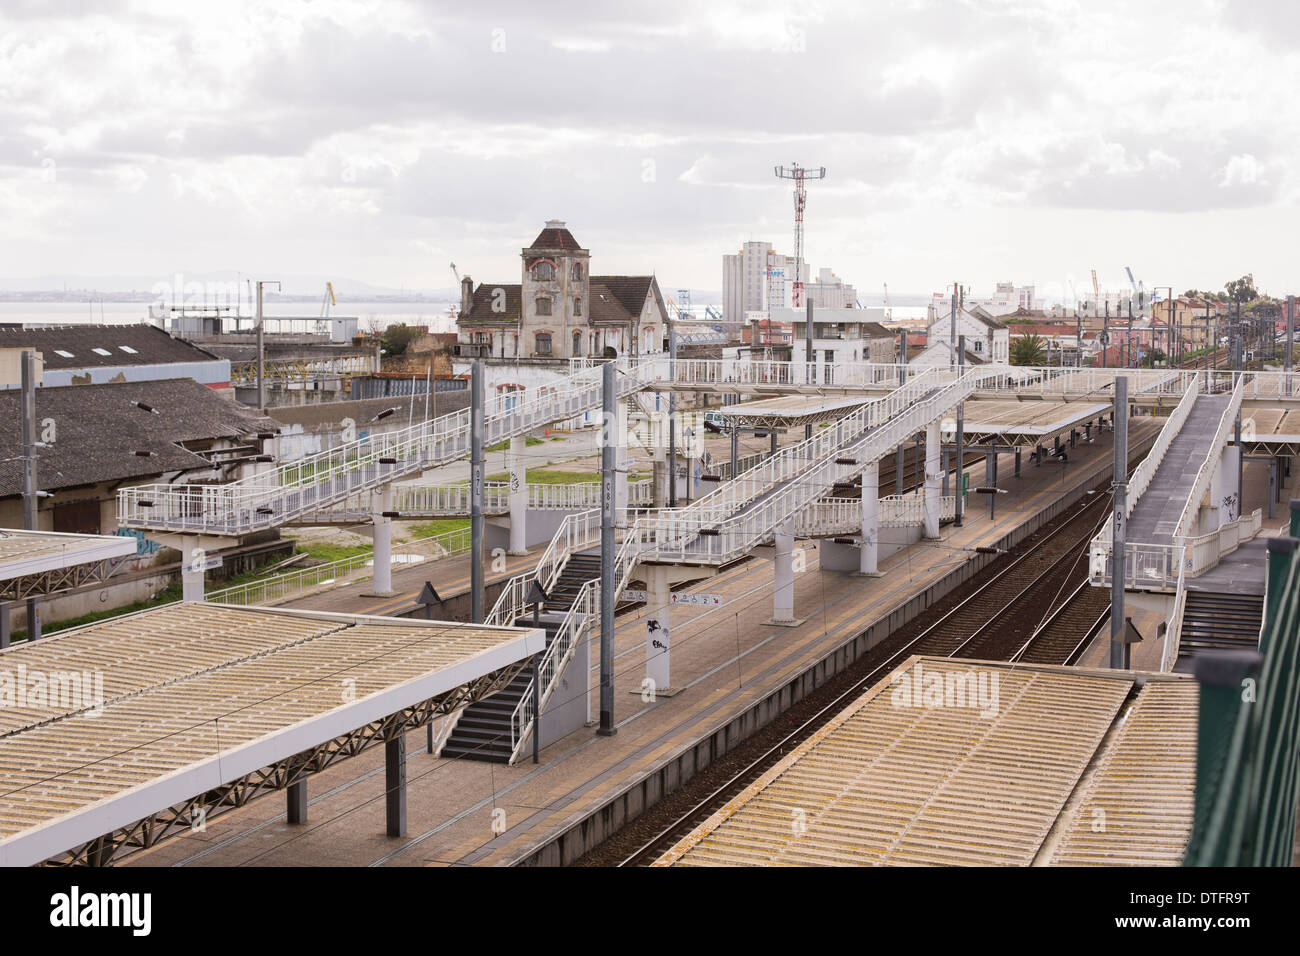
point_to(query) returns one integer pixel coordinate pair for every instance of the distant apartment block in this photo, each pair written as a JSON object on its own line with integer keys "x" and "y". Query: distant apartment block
{"x": 757, "y": 279}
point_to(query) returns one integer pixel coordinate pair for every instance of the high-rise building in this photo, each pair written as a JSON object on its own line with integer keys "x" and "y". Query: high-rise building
{"x": 756, "y": 279}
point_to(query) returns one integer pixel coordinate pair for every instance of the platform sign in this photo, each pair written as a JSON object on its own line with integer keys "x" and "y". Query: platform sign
{"x": 631, "y": 594}
{"x": 703, "y": 600}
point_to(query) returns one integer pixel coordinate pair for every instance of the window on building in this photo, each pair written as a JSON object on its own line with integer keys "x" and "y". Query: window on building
{"x": 542, "y": 343}
{"x": 543, "y": 271}
{"x": 577, "y": 344}
{"x": 577, "y": 305}
{"x": 543, "y": 305}
{"x": 577, "y": 271}
{"x": 979, "y": 345}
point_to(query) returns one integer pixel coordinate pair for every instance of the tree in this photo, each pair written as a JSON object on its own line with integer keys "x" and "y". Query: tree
{"x": 1241, "y": 290}
{"x": 398, "y": 336}
{"x": 1153, "y": 357}
{"x": 1027, "y": 350}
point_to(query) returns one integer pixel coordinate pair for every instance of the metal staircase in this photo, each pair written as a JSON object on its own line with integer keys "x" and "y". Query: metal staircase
{"x": 279, "y": 495}
{"x": 754, "y": 502}
{"x": 485, "y": 729}
{"x": 1218, "y": 621}
{"x": 745, "y": 511}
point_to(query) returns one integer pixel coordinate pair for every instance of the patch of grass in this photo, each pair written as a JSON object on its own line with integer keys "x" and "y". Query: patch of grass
{"x": 323, "y": 551}
{"x": 427, "y": 529}
{"x": 558, "y": 438}
{"x": 529, "y": 442}
{"x": 168, "y": 595}
{"x": 551, "y": 476}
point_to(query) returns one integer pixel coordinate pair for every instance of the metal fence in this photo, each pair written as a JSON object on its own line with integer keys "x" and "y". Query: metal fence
{"x": 291, "y": 584}
{"x": 1249, "y": 732}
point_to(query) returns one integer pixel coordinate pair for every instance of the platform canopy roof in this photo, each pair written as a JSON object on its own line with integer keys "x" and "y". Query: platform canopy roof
{"x": 148, "y": 719}
{"x": 42, "y": 562}
{"x": 1013, "y": 773}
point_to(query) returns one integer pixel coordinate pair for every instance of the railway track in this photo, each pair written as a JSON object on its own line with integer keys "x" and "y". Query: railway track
{"x": 1064, "y": 634}
{"x": 1003, "y": 618}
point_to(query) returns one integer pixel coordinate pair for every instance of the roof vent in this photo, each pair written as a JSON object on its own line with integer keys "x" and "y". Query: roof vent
{"x": 99, "y": 351}
{"x": 555, "y": 224}
{"x": 63, "y": 353}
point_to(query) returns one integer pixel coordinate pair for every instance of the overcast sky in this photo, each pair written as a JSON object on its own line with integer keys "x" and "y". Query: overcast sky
{"x": 964, "y": 140}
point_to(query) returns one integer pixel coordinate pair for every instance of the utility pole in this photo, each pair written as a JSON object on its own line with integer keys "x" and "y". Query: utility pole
{"x": 1078, "y": 337}
{"x": 1105, "y": 334}
{"x": 1290, "y": 327}
{"x": 476, "y": 466}
{"x": 609, "y": 422}
{"x": 961, "y": 437}
{"x": 672, "y": 415}
{"x": 952, "y": 337}
{"x": 1118, "y": 523}
{"x": 261, "y": 347}
{"x": 810, "y": 357}
{"x": 902, "y": 380}
{"x": 30, "y": 494}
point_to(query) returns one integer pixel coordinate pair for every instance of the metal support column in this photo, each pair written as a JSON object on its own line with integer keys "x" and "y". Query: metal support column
{"x": 395, "y": 783}
{"x": 518, "y": 472}
{"x": 296, "y": 801}
{"x": 991, "y": 477}
{"x": 933, "y": 509}
{"x": 902, "y": 380}
{"x": 868, "y": 555}
{"x": 735, "y": 449}
{"x": 476, "y": 466}
{"x": 382, "y": 531}
{"x": 609, "y": 421}
{"x": 783, "y": 574}
{"x": 1118, "y": 524}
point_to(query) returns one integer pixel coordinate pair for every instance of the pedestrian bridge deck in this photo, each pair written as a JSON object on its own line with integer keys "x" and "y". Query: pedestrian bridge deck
{"x": 1155, "y": 515}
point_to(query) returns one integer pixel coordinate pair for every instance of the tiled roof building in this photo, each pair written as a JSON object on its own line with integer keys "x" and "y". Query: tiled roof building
{"x": 559, "y": 309}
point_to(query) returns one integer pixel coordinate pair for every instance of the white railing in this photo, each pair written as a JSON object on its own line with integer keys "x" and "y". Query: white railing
{"x": 276, "y": 495}
{"x": 291, "y": 584}
{"x": 844, "y": 515}
{"x": 722, "y": 467}
{"x": 1158, "y": 567}
{"x": 576, "y": 532}
{"x": 1208, "y": 467}
{"x": 790, "y": 462}
{"x": 584, "y": 611}
{"x": 708, "y": 533}
{"x": 1174, "y": 632}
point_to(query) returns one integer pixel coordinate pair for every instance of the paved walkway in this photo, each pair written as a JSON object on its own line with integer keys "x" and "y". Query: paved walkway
{"x": 1154, "y": 517}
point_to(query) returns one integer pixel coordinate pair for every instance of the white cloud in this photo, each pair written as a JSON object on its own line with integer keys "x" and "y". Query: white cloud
{"x": 397, "y": 121}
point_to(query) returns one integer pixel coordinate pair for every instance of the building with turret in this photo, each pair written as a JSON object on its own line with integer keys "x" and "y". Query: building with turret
{"x": 559, "y": 310}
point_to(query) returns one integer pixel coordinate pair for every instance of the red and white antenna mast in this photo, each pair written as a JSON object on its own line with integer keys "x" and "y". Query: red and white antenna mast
{"x": 799, "y": 174}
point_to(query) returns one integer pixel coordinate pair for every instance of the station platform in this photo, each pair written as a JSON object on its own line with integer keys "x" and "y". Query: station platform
{"x": 728, "y": 668}
{"x": 975, "y": 763}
